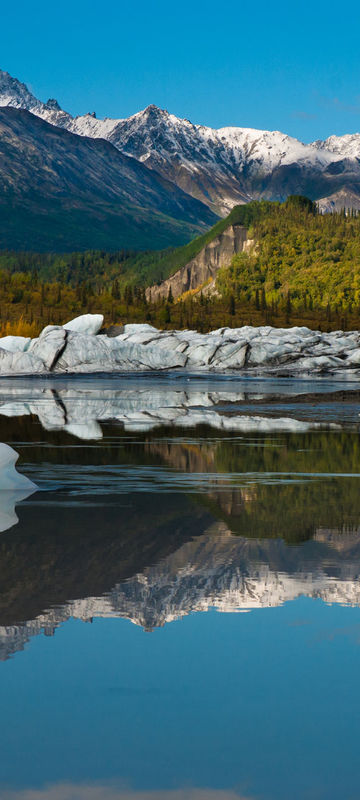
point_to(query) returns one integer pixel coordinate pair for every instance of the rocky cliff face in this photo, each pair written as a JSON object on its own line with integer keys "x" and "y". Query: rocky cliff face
{"x": 205, "y": 265}
{"x": 347, "y": 198}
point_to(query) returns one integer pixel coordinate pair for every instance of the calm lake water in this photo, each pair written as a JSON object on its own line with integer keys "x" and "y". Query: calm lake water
{"x": 179, "y": 599}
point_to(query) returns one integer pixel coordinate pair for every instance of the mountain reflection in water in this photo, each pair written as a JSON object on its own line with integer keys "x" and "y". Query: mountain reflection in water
{"x": 222, "y": 519}
{"x": 151, "y": 525}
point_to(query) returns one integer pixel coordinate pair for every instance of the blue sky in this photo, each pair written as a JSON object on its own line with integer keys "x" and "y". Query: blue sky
{"x": 292, "y": 67}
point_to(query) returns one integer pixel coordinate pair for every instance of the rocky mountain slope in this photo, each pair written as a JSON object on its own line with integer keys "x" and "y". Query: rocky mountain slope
{"x": 88, "y": 193}
{"x": 202, "y": 269}
{"x": 348, "y": 197}
{"x": 220, "y": 167}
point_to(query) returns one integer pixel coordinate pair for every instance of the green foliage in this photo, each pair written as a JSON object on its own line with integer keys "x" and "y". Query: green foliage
{"x": 301, "y": 260}
{"x": 167, "y": 263}
{"x": 101, "y": 267}
{"x": 303, "y": 269}
{"x": 299, "y": 202}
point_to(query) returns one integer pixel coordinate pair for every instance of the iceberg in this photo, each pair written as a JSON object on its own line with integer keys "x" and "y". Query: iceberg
{"x": 14, "y": 344}
{"x": 87, "y": 323}
{"x": 13, "y": 487}
{"x": 82, "y": 346}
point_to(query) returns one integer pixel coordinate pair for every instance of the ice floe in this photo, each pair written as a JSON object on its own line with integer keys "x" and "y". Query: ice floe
{"x": 13, "y": 487}
{"x": 87, "y": 323}
{"x": 78, "y": 347}
{"x": 14, "y": 344}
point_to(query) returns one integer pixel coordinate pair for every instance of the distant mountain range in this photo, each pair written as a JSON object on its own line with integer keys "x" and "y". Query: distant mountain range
{"x": 155, "y": 181}
{"x": 220, "y": 167}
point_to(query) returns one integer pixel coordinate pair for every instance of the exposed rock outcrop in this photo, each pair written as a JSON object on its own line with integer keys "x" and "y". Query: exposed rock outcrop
{"x": 205, "y": 265}
{"x": 347, "y": 198}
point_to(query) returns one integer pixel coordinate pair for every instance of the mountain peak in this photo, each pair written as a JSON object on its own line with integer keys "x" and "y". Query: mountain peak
{"x": 53, "y": 105}
{"x": 221, "y": 167}
{"x": 154, "y": 111}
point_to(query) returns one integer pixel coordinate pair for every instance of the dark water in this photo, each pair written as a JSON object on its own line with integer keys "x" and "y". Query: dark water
{"x": 179, "y": 599}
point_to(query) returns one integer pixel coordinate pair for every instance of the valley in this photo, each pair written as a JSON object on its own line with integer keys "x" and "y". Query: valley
{"x": 266, "y": 263}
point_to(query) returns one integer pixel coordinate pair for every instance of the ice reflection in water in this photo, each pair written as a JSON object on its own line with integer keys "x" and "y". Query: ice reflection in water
{"x": 78, "y": 407}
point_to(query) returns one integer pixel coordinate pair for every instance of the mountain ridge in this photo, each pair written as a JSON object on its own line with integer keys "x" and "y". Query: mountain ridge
{"x": 60, "y": 191}
{"x": 220, "y": 167}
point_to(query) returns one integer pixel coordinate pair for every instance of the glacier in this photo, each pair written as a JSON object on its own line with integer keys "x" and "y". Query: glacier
{"x": 83, "y": 346}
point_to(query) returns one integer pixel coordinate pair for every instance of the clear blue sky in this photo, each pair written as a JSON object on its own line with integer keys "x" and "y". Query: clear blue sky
{"x": 281, "y": 65}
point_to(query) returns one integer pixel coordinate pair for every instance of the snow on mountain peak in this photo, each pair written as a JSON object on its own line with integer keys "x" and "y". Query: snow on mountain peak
{"x": 272, "y": 148}
{"x": 15, "y": 94}
{"x": 220, "y": 167}
{"x": 53, "y": 104}
{"x": 347, "y": 146}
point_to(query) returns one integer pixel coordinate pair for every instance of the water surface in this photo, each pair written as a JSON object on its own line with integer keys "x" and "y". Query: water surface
{"x": 179, "y": 600}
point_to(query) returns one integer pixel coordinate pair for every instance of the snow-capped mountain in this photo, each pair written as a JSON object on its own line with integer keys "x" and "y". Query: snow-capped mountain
{"x": 348, "y": 197}
{"x": 90, "y": 193}
{"x": 347, "y": 146}
{"x": 220, "y": 167}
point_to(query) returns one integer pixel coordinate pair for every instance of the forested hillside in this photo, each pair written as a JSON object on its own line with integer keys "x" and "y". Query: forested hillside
{"x": 309, "y": 259}
{"x": 304, "y": 268}
{"x": 128, "y": 267}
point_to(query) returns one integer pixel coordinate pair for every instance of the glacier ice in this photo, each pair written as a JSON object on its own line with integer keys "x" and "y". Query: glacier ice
{"x": 87, "y": 323}
{"x": 14, "y": 344}
{"x": 13, "y": 487}
{"x": 9, "y": 477}
{"x": 77, "y": 347}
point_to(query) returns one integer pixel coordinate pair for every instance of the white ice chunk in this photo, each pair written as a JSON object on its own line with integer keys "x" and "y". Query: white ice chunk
{"x": 353, "y": 357}
{"x": 13, "y": 487}
{"x": 49, "y": 345}
{"x": 75, "y": 348}
{"x": 230, "y": 356}
{"x": 14, "y": 344}
{"x": 87, "y": 323}
{"x": 20, "y": 363}
{"x": 143, "y": 327}
{"x": 9, "y": 477}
